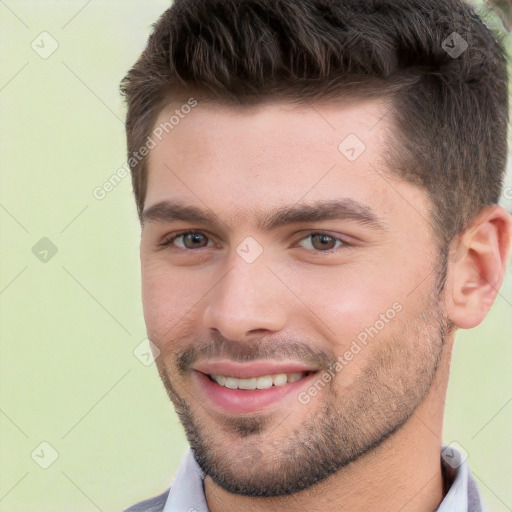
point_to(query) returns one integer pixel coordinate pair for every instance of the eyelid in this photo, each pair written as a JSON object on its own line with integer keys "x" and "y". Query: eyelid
{"x": 345, "y": 240}
{"x": 168, "y": 240}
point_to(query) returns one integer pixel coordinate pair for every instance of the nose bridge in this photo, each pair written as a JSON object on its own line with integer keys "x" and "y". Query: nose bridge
{"x": 245, "y": 299}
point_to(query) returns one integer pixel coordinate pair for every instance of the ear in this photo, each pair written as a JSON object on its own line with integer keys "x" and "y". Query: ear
{"x": 477, "y": 266}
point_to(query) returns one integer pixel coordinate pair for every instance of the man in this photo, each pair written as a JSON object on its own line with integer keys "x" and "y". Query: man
{"x": 317, "y": 184}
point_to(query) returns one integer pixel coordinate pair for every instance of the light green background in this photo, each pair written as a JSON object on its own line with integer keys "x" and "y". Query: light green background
{"x": 69, "y": 326}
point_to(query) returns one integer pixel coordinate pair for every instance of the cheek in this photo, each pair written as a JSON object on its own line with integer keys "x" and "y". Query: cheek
{"x": 167, "y": 296}
{"x": 347, "y": 299}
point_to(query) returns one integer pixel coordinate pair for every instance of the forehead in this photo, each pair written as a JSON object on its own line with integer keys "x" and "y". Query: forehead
{"x": 271, "y": 129}
{"x": 241, "y": 160}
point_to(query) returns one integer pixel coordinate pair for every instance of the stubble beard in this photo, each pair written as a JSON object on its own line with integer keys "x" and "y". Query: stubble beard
{"x": 257, "y": 456}
{"x": 246, "y": 456}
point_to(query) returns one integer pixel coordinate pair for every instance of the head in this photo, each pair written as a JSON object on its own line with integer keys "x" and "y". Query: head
{"x": 317, "y": 184}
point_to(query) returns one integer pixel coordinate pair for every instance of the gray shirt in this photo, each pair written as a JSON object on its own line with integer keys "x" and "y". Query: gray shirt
{"x": 186, "y": 493}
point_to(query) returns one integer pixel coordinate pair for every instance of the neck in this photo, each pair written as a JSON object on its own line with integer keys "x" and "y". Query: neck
{"x": 402, "y": 473}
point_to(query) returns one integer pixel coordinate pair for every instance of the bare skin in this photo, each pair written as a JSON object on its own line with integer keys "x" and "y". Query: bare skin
{"x": 377, "y": 424}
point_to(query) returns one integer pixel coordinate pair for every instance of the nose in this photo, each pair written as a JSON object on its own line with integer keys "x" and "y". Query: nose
{"x": 248, "y": 299}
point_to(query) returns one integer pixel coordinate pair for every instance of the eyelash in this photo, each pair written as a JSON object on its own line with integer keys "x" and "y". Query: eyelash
{"x": 168, "y": 241}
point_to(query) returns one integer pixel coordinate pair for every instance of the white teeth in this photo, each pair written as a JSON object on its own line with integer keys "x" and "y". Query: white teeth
{"x": 247, "y": 383}
{"x": 231, "y": 383}
{"x": 221, "y": 379}
{"x": 279, "y": 379}
{"x": 263, "y": 382}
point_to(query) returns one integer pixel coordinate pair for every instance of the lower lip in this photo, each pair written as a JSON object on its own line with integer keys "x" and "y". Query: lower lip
{"x": 239, "y": 401}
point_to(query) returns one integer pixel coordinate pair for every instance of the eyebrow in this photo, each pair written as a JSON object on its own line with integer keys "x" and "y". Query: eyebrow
{"x": 335, "y": 209}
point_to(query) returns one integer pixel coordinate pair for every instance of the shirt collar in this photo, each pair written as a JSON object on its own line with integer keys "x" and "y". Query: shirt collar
{"x": 187, "y": 490}
{"x": 457, "y": 472}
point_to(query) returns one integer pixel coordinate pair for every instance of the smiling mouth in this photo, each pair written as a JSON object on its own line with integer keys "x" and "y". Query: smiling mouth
{"x": 257, "y": 388}
{"x": 261, "y": 382}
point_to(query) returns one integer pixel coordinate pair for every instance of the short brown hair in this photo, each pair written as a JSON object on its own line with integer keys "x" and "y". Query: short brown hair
{"x": 450, "y": 111}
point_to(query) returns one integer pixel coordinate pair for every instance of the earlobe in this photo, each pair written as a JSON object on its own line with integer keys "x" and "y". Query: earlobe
{"x": 476, "y": 268}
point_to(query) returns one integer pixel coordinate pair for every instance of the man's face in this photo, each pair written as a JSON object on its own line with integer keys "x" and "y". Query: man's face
{"x": 338, "y": 299}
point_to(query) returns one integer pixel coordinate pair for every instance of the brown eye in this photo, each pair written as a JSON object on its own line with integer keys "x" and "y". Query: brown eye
{"x": 188, "y": 240}
{"x": 322, "y": 242}
{"x": 194, "y": 240}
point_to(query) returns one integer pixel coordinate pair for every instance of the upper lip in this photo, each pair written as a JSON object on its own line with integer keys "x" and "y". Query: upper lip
{"x": 251, "y": 369}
